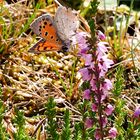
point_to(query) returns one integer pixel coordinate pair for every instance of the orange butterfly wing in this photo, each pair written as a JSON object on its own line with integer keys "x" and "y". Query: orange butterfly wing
{"x": 45, "y": 28}
{"x": 43, "y": 45}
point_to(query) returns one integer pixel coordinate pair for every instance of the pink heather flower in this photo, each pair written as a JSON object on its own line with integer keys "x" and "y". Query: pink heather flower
{"x": 81, "y": 37}
{"x": 103, "y": 96}
{"x": 88, "y": 123}
{"x": 107, "y": 85}
{"x": 101, "y": 49}
{"x": 137, "y": 112}
{"x": 109, "y": 109}
{"x": 86, "y": 94}
{"x": 92, "y": 66}
{"x": 87, "y": 58}
{"x": 113, "y": 133}
{"x": 94, "y": 107}
{"x": 97, "y": 134}
{"x": 83, "y": 51}
{"x": 104, "y": 121}
{"x": 86, "y": 76}
{"x": 102, "y": 71}
{"x": 93, "y": 84}
{"x": 82, "y": 42}
{"x": 101, "y": 35}
{"x": 106, "y": 63}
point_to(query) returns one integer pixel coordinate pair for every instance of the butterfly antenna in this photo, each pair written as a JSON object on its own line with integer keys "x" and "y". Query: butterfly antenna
{"x": 58, "y": 2}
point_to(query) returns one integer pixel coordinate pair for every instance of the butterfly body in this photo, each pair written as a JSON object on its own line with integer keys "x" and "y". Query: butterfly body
{"x": 55, "y": 33}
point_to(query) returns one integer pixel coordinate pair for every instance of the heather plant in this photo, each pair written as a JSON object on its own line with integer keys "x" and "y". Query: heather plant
{"x": 94, "y": 76}
{"x": 19, "y": 121}
{"x": 3, "y": 133}
{"x": 66, "y": 132}
{"x": 51, "y": 127}
{"x": 93, "y": 52}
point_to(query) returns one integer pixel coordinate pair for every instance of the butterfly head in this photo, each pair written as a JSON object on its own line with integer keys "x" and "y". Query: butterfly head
{"x": 65, "y": 45}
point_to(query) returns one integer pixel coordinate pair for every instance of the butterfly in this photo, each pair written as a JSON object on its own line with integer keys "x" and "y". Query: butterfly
{"x": 56, "y": 33}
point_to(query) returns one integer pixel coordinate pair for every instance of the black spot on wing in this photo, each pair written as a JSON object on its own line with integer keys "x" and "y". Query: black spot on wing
{"x": 50, "y": 24}
{"x": 46, "y": 33}
{"x": 45, "y": 23}
{"x": 45, "y": 48}
{"x": 38, "y": 47}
